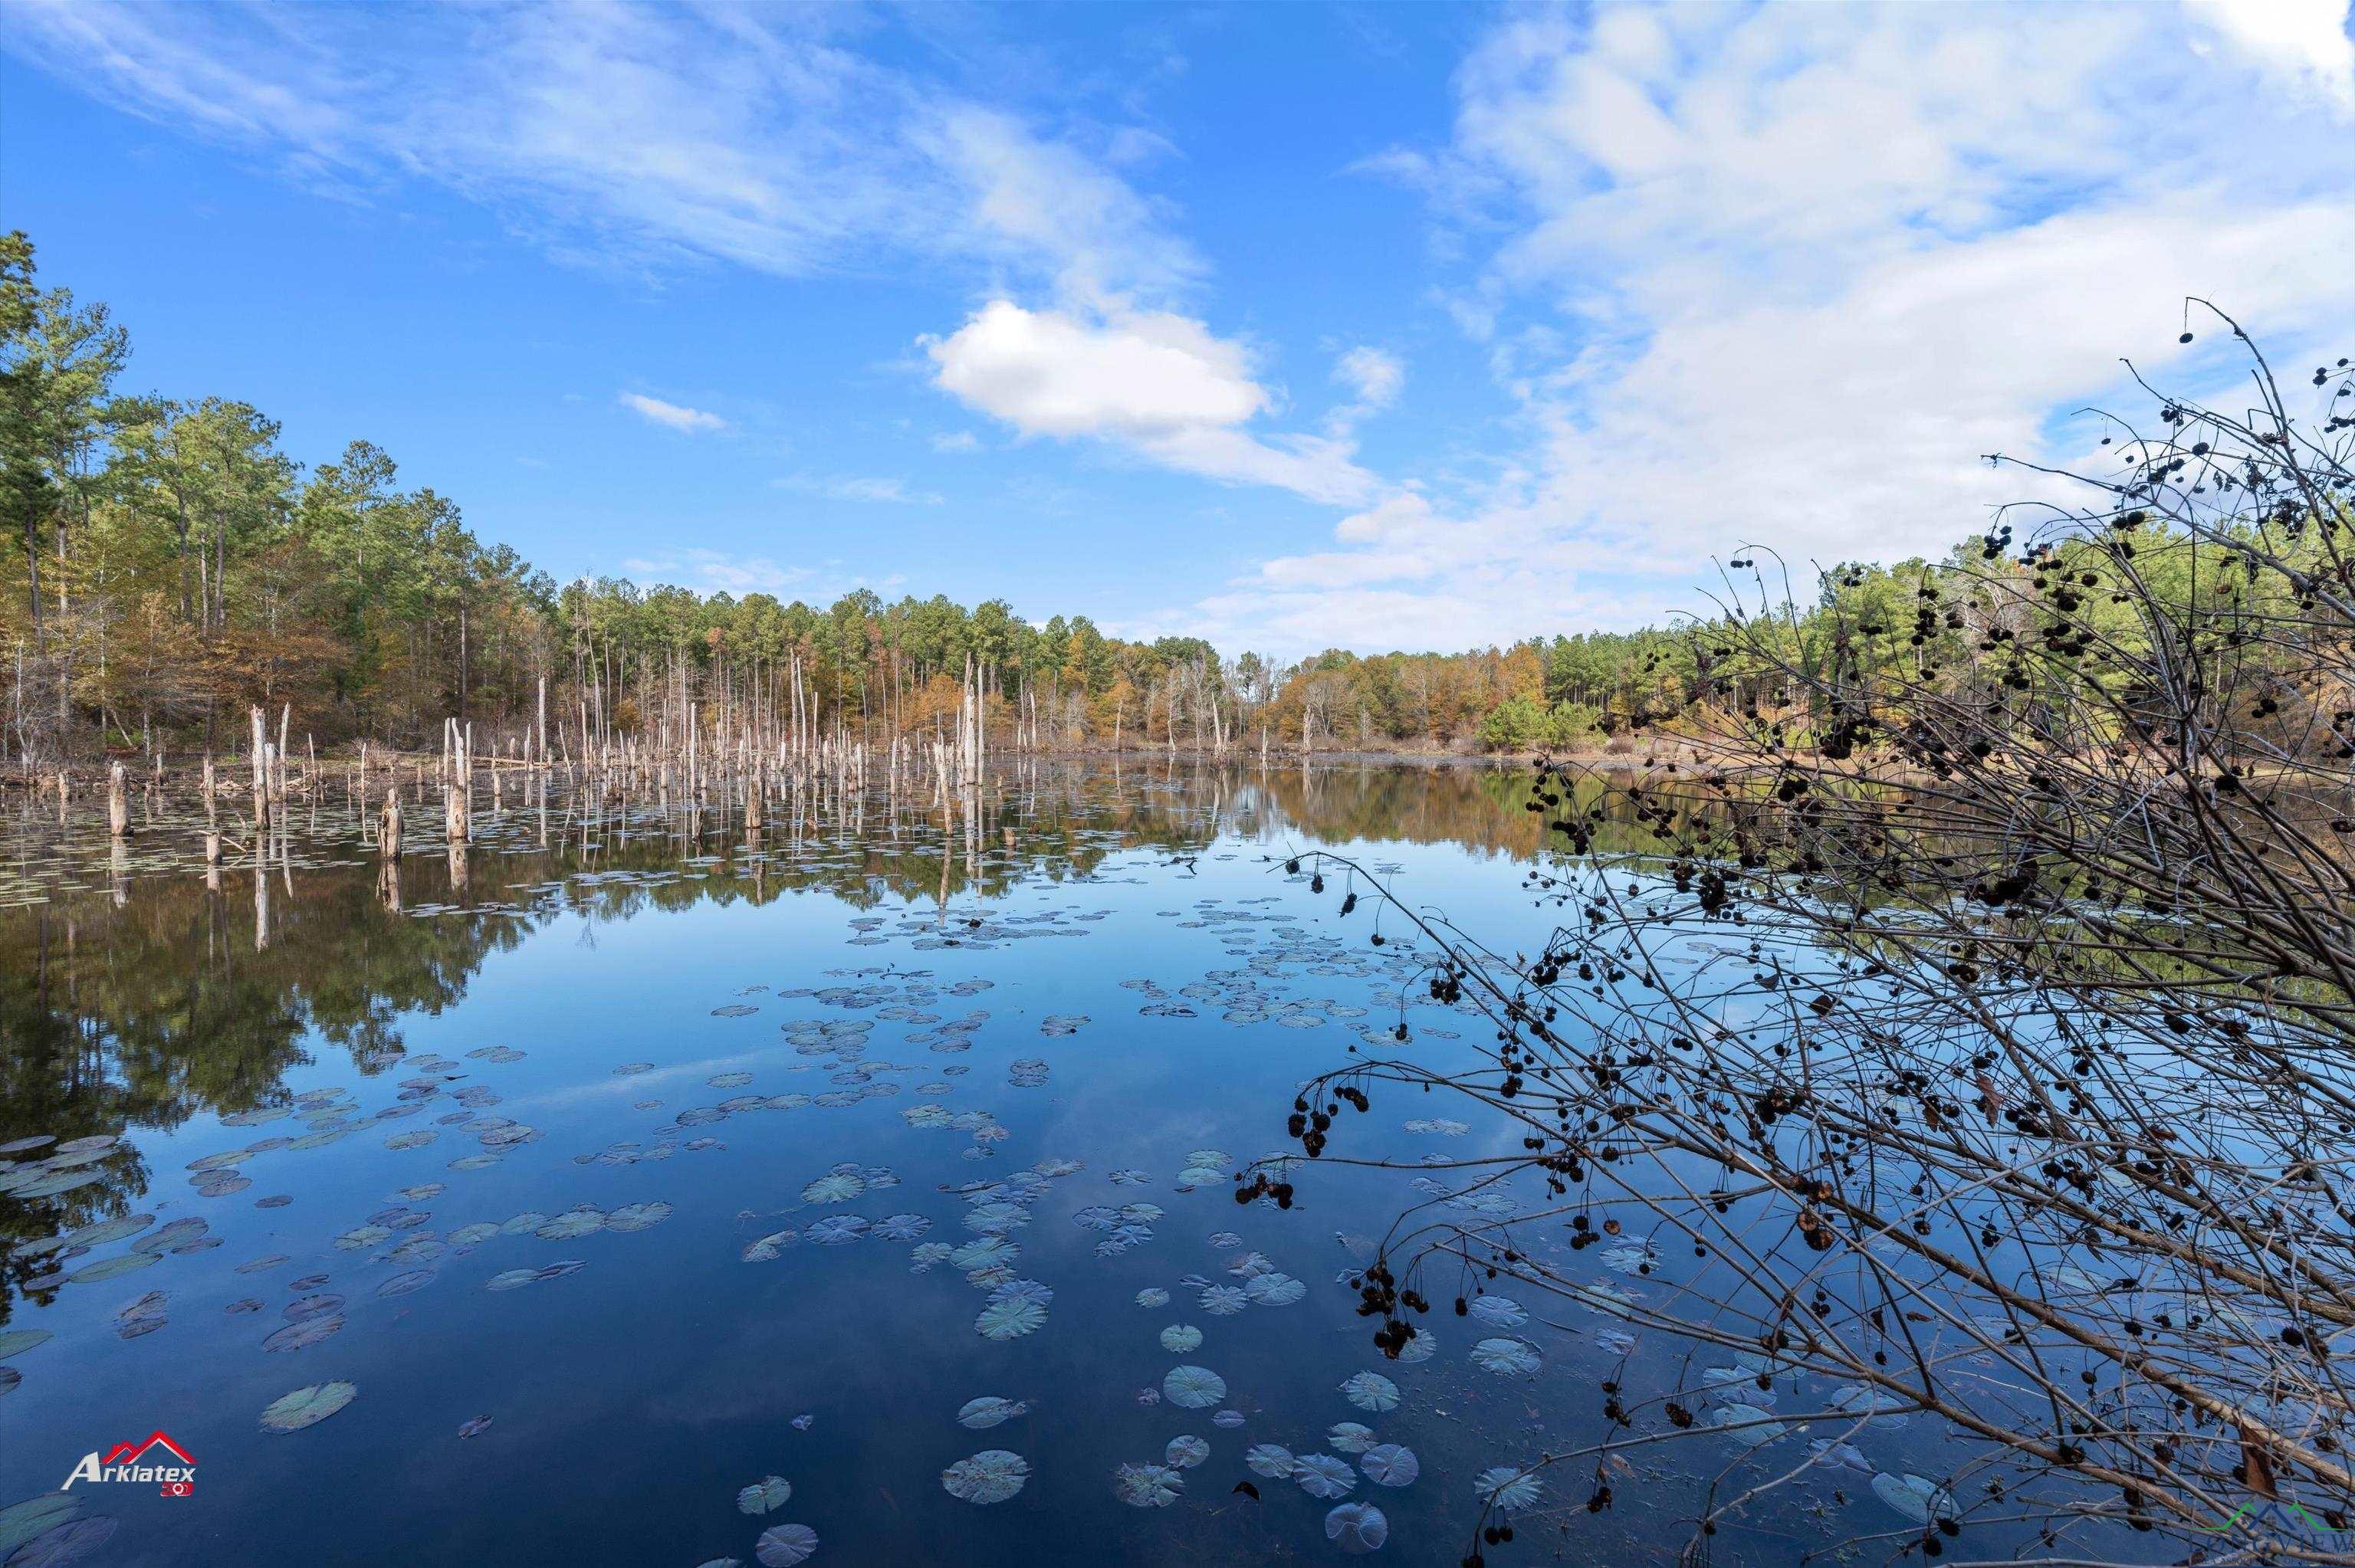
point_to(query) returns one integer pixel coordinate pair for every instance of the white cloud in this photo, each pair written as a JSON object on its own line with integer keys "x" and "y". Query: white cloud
{"x": 1153, "y": 383}
{"x": 672, "y": 414}
{"x": 631, "y": 133}
{"x": 716, "y": 571}
{"x": 894, "y": 492}
{"x": 1099, "y": 239}
{"x": 956, "y": 441}
{"x": 1372, "y": 376}
{"x": 1783, "y": 273}
{"x": 2304, "y": 41}
{"x": 648, "y": 136}
{"x": 1048, "y": 373}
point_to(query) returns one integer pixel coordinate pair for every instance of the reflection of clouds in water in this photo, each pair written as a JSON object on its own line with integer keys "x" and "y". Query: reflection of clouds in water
{"x": 1133, "y": 1106}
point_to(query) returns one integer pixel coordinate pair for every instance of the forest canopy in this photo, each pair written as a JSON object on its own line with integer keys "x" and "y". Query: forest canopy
{"x": 169, "y": 563}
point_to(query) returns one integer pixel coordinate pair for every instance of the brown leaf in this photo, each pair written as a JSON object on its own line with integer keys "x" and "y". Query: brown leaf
{"x": 1990, "y": 1099}
{"x": 2256, "y": 1466}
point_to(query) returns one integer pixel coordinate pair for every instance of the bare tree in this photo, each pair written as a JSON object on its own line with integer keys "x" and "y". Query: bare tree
{"x": 1975, "y": 1042}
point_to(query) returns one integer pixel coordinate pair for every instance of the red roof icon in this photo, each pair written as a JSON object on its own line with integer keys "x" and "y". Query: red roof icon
{"x": 130, "y": 1453}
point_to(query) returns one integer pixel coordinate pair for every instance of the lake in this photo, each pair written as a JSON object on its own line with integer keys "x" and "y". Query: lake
{"x": 576, "y": 1187}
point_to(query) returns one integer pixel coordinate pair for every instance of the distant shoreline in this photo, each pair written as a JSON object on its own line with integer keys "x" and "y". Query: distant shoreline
{"x": 230, "y": 764}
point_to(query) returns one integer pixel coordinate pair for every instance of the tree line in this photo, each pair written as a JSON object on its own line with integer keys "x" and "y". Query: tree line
{"x": 173, "y": 563}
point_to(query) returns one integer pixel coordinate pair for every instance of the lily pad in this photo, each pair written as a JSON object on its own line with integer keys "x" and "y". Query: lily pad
{"x": 572, "y": 1225}
{"x": 54, "y": 1186}
{"x": 1195, "y": 1388}
{"x": 1272, "y": 1460}
{"x": 1357, "y": 1527}
{"x": 1181, "y": 1338}
{"x": 838, "y": 1188}
{"x": 1917, "y": 1497}
{"x": 1009, "y": 1319}
{"x": 989, "y": 1476}
{"x": 764, "y": 1495}
{"x": 1146, "y": 1485}
{"x": 783, "y": 1546}
{"x": 985, "y": 1253}
{"x": 1323, "y": 1477}
{"x": 1497, "y": 1311}
{"x": 1370, "y": 1391}
{"x": 307, "y": 1406}
{"x": 1275, "y": 1289}
{"x": 109, "y": 1268}
{"x": 767, "y": 1248}
{"x": 65, "y": 1543}
{"x": 303, "y": 1335}
{"x": 1505, "y": 1355}
{"x": 35, "y": 1517}
{"x": 1747, "y": 1425}
{"x": 106, "y": 1230}
{"x": 1390, "y": 1464}
{"x": 990, "y": 1411}
{"x": 1507, "y": 1489}
{"x": 836, "y": 1229}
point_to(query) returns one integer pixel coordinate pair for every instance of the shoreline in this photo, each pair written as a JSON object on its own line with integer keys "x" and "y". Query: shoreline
{"x": 139, "y": 767}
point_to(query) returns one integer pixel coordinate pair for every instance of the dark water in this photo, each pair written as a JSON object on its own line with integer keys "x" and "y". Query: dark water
{"x": 495, "y": 1143}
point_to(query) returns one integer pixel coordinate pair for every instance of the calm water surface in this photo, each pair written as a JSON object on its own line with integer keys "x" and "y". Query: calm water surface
{"x": 685, "y": 1160}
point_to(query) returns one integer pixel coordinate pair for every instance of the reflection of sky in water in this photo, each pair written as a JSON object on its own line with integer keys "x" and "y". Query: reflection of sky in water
{"x": 632, "y": 1400}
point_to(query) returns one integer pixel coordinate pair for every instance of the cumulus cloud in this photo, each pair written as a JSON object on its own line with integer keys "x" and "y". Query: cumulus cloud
{"x": 1153, "y": 383}
{"x": 672, "y": 415}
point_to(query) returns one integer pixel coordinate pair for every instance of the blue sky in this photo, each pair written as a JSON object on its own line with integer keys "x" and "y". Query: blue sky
{"x": 1289, "y": 325}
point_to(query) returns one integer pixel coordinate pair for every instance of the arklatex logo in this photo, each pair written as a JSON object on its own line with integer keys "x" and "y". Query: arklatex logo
{"x": 136, "y": 1462}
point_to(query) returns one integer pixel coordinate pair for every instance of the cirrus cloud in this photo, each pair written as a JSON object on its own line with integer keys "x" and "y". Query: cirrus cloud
{"x": 672, "y": 415}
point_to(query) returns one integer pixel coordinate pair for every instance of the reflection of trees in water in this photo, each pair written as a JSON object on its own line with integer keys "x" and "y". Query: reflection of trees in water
{"x": 1483, "y": 809}
{"x": 145, "y": 1004}
{"x": 1478, "y": 807}
{"x": 146, "y": 1014}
